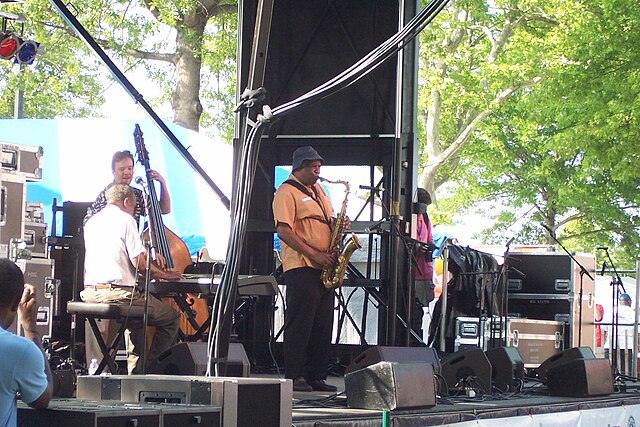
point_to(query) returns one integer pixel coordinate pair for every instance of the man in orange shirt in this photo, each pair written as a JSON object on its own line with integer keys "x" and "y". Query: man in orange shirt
{"x": 304, "y": 216}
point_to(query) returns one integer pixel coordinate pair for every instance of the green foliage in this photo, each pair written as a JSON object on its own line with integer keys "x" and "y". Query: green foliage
{"x": 68, "y": 79}
{"x": 219, "y": 80}
{"x": 60, "y": 83}
{"x": 565, "y": 150}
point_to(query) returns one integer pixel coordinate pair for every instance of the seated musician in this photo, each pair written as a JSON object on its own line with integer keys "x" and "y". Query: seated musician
{"x": 114, "y": 255}
{"x": 122, "y": 170}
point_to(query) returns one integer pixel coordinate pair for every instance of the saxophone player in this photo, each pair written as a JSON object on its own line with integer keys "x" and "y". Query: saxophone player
{"x": 304, "y": 218}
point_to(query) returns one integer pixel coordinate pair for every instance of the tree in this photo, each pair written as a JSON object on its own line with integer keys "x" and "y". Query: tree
{"x": 58, "y": 83}
{"x": 203, "y": 35}
{"x": 564, "y": 152}
{"x": 474, "y": 58}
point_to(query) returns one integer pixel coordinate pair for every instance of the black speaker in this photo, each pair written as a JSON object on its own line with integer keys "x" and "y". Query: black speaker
{"x": 563, "y": 357}
{"x": 581, "y": 378}
{"x": 469, "y": 367}
{"x": 190, "y": 358}
{"x": 391, "y": 385}
{"x": 63, "y": 382}
{"x": 507, "y": 367}
{"x": 395, "y": 354}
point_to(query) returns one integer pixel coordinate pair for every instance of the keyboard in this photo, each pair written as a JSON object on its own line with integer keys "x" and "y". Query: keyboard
{"x": 205, "y": 285}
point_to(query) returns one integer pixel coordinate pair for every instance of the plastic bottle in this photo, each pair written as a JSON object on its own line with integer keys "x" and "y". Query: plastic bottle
{"x": 93, "y": 366}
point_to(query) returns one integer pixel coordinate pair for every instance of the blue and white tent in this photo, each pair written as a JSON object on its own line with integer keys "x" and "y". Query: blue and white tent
{"x": 77, "y": 165}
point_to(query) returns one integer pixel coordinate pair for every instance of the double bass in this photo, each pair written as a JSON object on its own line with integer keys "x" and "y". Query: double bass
{"x": 169, "y": 245}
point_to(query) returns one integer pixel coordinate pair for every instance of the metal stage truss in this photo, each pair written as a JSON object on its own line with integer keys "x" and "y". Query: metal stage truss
{"x": 371, "y": 123}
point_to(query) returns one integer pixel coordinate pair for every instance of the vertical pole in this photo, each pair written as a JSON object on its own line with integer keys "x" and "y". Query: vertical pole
{"x": 404, "y": 166}
{"x": 18, "y": 104}
{"x": 443, "y": 297}
{"x": 634, "y": 365}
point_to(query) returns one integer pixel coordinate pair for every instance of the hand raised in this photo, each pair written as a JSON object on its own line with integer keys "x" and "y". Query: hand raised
{"x": 27, "y": 308}
{"x": 153, "y": 174}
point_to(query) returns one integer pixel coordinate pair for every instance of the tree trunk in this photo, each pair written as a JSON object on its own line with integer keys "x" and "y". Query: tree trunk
{"x": 186, "y": 104}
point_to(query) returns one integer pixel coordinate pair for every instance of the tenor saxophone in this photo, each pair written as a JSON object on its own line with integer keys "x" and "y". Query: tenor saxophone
{"x": 332, "y": 277}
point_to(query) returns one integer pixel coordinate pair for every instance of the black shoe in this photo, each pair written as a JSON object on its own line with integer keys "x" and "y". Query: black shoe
{"x": 320, "y": 385}
{"x": 300, "y": 384}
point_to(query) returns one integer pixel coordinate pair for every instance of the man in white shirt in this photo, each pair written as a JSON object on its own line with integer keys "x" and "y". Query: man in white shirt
{"x": 624, "y": 343}
{"x": 23, "y": 367}
{"x": 114, "y": 254}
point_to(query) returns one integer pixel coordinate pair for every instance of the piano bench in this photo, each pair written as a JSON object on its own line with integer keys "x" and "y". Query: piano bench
{"x": 117, "y": 311}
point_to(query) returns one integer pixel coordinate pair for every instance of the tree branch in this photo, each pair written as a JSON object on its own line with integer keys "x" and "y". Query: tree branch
{"x": 499, "y": 99}
{"x": 571, "y": 218}
{"x": 104, "y": 44}
{"x": 156, "y": 56}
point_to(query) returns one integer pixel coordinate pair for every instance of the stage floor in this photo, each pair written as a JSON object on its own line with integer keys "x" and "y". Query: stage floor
{"x": 530, "y": 407}
{"x": 330, "y": 409}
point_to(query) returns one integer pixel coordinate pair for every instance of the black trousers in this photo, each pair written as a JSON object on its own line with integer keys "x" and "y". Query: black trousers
{"x": 308, "y": 324}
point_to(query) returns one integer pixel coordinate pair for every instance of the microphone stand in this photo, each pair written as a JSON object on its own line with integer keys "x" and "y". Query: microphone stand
{"x": 583, "y": 271}
{"x": 412, "y": 260}
{"x": 145, "y": 314}
{"x": 150, "y": 256}
{"x": 616, "y": 284}
{"x": 504, "y": 301}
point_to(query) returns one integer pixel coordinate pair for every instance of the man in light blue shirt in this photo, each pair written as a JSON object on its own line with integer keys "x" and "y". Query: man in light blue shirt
{"x": 23, "y": 368}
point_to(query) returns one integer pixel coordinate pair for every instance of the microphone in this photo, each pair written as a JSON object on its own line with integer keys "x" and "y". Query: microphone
{"x": 602, "y": 248}
{"x": 367, "y": 187}
{"x": 140, "y": 181}
{"x": 375, "y": 226}
{"x": 604, "y": 265}
{"x": 546, "y": 227}
{"x": 510, "y": 241}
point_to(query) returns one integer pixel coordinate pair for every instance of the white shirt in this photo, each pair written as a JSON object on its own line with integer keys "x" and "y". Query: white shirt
{"x": 626, "y": 319}
{"x": 111, "y": 241}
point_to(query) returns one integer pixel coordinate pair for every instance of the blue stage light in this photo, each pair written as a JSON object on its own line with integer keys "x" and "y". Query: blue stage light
{"x": 27, "y": 52}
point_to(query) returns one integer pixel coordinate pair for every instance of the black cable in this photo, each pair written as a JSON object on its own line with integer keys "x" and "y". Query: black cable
{"x": 370, "y": 61}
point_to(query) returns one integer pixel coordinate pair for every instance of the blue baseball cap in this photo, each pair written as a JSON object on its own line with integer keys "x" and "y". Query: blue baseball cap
{"x": 624, "y": 297}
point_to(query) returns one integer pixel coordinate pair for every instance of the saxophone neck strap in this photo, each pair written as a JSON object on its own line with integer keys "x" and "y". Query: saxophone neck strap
{"x": 315, "y": 196}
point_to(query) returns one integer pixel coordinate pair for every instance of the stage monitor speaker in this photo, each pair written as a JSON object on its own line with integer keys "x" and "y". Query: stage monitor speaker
{"x": 190, "y": 358}
{"x": 469, "y": 367}
{"x": 563, "y": 357}
{"x": 390, "y": 386}
{"x": 581, "y": 378}
{"x": 507, "y": 368}
{"x": 377, "y": 354}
